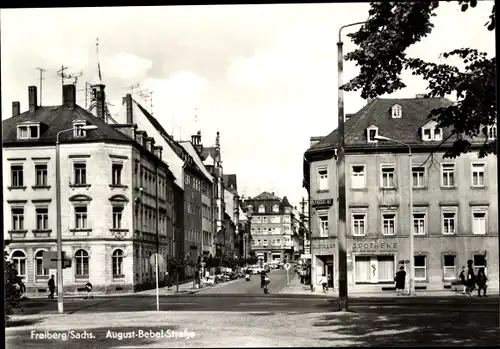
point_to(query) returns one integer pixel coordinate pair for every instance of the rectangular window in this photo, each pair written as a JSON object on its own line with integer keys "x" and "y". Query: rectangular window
{"x": 420, "y": 267}
{"x": 362, "y": 269}
{"x": 418, "y": 177}
{"x": 479, "y": 262}
{"x": 41, "y": 175}
{"x": 23, "y": 132}
{"x": 448, "y": 175}
{"x": 479, "y": 222}
{"x": 17, "y": 179}
{"x": 81, "y": 217}
{"x": 449, "y": 222}
{"x": 419, "y": 223}
{"x": 18, "y": 219}
{"x": 42, "y": 218}
{"x": 478, "y": 175}
{"x": 427, "y": 134}
{"x": 358, "y": 224}
{"x": 388, "y": 223}
{"x": 437, "y": 134}
{"x": 117, "y": 217}
{"x": 449, "y": 267}
{"x": 387, "y": 180}
{"x": 323, "y": 224}
{"x": 264, "y": 219}
{"x": 385, "y": 268}
{"x": 322, "y": 179}
{"x": 358, "y": 176}
{"x": 80, "y": 173}
{"x": 116, "y": 170}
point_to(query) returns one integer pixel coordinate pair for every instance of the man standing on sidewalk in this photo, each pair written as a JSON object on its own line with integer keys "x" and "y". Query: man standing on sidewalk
{"x": 52, "y": 287}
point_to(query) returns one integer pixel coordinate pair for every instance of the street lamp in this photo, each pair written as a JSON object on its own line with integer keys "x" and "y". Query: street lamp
{"x": 60, "y": 306}
{"x": 410, "y": 204}
{"x": 341, "y": 228}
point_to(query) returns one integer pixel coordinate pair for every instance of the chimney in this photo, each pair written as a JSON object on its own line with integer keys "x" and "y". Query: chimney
{"x": 16, "y": 108}
{"x": 69, "y": 96}
{"x": 158, "y": 150}
{"x": 128, "y": 130}
{"x": 128, "y": 102}
{"x": 32, "y": 96}
{"x": 139, "y": 137}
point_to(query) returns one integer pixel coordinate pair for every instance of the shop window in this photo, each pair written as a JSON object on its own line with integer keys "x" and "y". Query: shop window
{"x": 385, "y": 268}
{"x": 362, "y": 269}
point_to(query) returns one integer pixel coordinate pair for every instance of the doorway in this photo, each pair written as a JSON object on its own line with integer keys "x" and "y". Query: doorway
{"x": 329, "y": 274}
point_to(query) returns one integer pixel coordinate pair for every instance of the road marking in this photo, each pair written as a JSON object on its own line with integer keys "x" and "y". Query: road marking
{"x": 176, "y": 303}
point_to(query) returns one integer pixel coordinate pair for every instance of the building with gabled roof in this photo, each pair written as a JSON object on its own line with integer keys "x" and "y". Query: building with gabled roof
{"x": 271, "y": 227}
{"x": 115, "y": 198}
{"x": 455, "y": 208}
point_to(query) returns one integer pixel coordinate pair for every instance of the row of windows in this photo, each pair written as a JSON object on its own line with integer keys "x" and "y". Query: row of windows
{"x": 197, "y": 184}
{"x": 274, "y": 242}
{"x": 373, "y": 269}
{"x": 192, "y": 208}
{"x": 148, "y": 180}
{"x": 275, "y": 208}
{"x": 80, "y": 264}
{"x": 389, "y": 226}
{"x": 270, "y": 219}
{"x": 265, "y": 231}
{"x": 81, "y": 218}
{"x": 388, "y": 178}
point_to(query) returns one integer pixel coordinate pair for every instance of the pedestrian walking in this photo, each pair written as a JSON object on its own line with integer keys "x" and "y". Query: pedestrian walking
{"x": 323, "y": 282}
{"x": 88, "y": 288}
{"x": 481, "y": 280}
{"x": 471, "y": 279}
{"x": 463, "y": 279}
{"x": 400, "y": 281}
{"x": 52, "y": 287}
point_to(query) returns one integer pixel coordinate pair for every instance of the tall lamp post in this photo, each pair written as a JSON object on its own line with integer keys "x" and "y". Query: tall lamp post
{"x": 341, "y": 227}
{"x": 410, "y": 205}
{"x": 60, "y": 302}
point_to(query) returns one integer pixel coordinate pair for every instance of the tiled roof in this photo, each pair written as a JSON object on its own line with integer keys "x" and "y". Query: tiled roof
{"x": 57, "y": 118}
{"x": 189, "y": 148}
{"x": 208, "y": 150}
{"x": 230, "y": 181}
{"x": 415, "y": 114}
{"x": 266, "y": 196}
{"x": 285, "y": 202}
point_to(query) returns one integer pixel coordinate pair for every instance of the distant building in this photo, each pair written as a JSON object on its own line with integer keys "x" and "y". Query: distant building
{"x": 117, "y": 197}
{"x": 271, "y": 229}
{"x": 455, "y": 202}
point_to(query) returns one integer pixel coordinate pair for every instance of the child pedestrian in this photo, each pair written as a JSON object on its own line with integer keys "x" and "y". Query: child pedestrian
{"x": 324, "y": 283}
{"x": 481, "y": 282}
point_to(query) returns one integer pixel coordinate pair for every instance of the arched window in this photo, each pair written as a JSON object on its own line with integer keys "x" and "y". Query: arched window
{"x": 117, "y": 260}
{"x": 276, "y": 208}
{"x": 82, "y": 264}
{"x": 19, "y": 260}
{"x": 40, "y": 271}
{"x": 262, "y": 209}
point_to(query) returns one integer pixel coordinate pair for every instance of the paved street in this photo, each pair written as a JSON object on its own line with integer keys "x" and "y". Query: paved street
{"x": 239, "y": 314}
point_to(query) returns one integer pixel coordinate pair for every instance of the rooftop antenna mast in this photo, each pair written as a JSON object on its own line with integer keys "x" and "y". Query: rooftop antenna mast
{"x": 41, "y": 84}
{"x": 97, "y": 55}
{"x": 131, "y": 88}
{"x": 61, "y": 73}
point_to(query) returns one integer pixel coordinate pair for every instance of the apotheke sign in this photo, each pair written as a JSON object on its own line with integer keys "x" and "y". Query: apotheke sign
{"x": 374, "y": 246}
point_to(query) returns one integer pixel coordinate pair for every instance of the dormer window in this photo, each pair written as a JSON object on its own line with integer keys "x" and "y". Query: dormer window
{"x": 28, "y": 130}
{"x": 397, "y": 111}
{"x": 490, "y": 131}
{"x": 77, "y": 128}
{"x": 438, "y": 135}
{"x": 372, "y": 133}
{"x": 262, "y": 209}
{"x": 431, "y": 132}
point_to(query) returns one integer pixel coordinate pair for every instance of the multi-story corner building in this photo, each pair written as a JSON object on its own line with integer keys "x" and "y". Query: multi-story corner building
{"x": 271, "y": 229}
{"x": 455, "y": 203}
{"x": 116, "y": 197}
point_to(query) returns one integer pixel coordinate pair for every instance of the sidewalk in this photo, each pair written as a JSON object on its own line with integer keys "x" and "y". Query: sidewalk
{"x": 295, "y": 287}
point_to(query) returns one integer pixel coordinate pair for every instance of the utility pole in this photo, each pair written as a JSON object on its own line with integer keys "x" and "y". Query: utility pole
{"x": 41, "y": 79}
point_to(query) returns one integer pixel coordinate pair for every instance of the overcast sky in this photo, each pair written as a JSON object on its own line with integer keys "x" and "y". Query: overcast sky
{"x": 263, "y": 75}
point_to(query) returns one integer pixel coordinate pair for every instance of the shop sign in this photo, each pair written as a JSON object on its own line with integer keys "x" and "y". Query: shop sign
{"x": 374, "y": 245}
{"x": 322, "y": 203}
{"x": 322, "y": 246}
{"x": 307, "y": 247}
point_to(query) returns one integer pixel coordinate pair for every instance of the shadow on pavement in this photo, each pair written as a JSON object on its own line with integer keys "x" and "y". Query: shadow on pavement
{"x": 102, "y": 338}
{"x": 425, "y": 327}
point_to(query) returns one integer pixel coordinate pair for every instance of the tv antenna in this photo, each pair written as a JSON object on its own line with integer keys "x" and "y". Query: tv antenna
{"x": 131, "y": 88}
{"x": 41, "y": 79}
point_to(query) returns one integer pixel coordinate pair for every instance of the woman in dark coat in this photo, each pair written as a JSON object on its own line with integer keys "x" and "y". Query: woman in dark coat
{"x": 481, "y": 281}
{"x": 400, "y": 281}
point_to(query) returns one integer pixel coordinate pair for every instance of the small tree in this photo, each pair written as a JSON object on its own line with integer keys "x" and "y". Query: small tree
{"x": 12, "y": 284}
